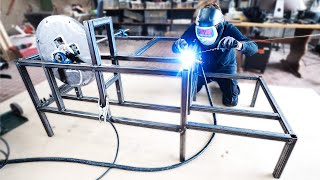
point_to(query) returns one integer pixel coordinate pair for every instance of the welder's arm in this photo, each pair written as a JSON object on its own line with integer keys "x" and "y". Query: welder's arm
{"x": 186, "y": 39}
{"x": 247, "y": 46}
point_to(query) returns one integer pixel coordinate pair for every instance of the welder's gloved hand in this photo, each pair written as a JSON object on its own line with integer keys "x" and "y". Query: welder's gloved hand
{"x": 181, "y": 45}
{"x": 228, "y": 43}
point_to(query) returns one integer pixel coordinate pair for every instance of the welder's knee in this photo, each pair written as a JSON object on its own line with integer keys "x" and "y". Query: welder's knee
{"x": 230, "y": 91}
{"x": 201, "y": 82}
{"x": 230, "y": 100}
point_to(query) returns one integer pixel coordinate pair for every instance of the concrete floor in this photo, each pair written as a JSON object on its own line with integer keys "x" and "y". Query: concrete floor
{"x": 274, "y": 74}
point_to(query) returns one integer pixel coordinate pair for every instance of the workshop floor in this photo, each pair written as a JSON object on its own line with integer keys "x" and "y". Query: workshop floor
{"x": 274, "y": 74}
{"x": 228, "y": 157}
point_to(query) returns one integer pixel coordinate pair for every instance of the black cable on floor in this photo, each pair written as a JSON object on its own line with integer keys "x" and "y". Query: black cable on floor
{"x": 111, "y": 165}
{"x": 105, "y": 164}
{"x": 117, "y": 150}
{"x": 6, "y": 158}
{"x": 5, "y": 154}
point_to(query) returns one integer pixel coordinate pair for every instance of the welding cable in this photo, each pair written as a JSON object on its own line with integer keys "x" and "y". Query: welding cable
{"x": 117, "y": 149}
{"x": 113, "y": 165}
{"x": 293, "y": 37}
{"x": 6, "y": 154}
{"x": 265, "y": 40}
{"x": 6, "y": 157}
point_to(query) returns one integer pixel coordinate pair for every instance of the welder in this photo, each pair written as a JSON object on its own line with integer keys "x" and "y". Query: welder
{"x": 217, "y": 41}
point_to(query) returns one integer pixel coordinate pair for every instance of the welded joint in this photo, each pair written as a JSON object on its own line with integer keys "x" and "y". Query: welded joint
{"x": 293, "y": 140}
{"x": 182, "y": 130}
{"x": 100, "y": 21}
{"x": 46, "y": 102}
{"x": 294, "y": 136}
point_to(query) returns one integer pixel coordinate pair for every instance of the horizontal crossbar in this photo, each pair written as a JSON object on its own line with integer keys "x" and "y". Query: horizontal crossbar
{"x": 176, "y": 128}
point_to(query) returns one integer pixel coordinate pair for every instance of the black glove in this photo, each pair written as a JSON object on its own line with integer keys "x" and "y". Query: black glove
{"x": 181, "y": 44}
{"x": 228, "y": 43}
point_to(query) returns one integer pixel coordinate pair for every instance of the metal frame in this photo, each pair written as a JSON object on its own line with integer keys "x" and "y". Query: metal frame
{"x": 188, "y": 80}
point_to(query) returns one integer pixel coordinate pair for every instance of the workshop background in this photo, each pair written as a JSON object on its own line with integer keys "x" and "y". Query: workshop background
{"x": 289, "y": 57}
{"x": 20, "y": 18}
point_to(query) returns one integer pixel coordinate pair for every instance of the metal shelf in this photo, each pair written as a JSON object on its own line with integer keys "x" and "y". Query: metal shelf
{"x": 172, "y": 13}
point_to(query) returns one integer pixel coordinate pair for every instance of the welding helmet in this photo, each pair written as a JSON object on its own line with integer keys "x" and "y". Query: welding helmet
{"x": 209, "y": 25}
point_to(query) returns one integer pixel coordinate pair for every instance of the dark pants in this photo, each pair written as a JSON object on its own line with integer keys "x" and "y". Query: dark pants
{"x": 229, "y": 87}
{"x": 298, "y": 47}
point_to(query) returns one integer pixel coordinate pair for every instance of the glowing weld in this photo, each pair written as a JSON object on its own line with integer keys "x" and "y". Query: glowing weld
{"x": 187, "y": 58}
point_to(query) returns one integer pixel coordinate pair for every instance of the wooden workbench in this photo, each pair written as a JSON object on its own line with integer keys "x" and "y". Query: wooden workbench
{"x": 297, "y": 45}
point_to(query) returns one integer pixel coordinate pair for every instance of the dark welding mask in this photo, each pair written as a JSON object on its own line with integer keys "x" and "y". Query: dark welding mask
{"x": 209, "y": 24}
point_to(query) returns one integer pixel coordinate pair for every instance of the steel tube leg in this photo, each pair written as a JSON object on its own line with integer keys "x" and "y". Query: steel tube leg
{"x": 54, "y": 88}
{"x": 283, "y": 159}
{"x": 101, "y": 88}
{"x": 113, "y": 53}
{"x": 96, "y": 60}
{"x": 196, "y": 78}
{"x": 78, "y": 92}
{"x": 45, "y": 123}
{"x": 184, "y": 112}
{"x": 35, "y": 98}
{"x": 119, "y": 86}
{"x": 255, "y": 94}
{"x": 195, "y": 87}
{"x": 190, "y": 88}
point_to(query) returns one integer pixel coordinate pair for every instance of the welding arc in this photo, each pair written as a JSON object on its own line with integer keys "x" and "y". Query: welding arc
{"x": 113, "y": 165}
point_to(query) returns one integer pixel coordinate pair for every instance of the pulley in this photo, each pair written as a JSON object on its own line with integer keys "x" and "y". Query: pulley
{"x": 61, "y": 39}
